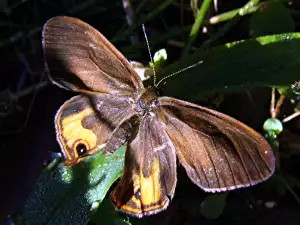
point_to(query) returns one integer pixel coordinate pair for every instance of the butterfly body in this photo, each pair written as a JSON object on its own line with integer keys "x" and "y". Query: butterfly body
{"x": 218, "y": 152}
{"x": 147, "y": 101}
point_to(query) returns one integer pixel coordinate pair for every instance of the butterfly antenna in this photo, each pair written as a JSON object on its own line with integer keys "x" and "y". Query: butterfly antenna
{"x": 173, "y": 74}
{"x": 154, "y": 74}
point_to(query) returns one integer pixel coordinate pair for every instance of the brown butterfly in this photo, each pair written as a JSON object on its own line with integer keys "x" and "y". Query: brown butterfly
{"x": 218, "y": 152}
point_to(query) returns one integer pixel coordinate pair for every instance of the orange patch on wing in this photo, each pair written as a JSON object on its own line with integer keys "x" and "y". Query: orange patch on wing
{"x": 147, "y": 197}
{"x": 150, "y": 186}
{"x": 72, "y": 130}
{"x": 139, "y": 212}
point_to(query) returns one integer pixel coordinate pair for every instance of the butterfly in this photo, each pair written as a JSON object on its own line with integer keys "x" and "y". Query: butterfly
{"x": 218, "y": 152}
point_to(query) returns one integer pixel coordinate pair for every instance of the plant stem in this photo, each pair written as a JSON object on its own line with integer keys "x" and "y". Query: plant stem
{"x": 250, "y": 7}
{"x": 197, "y": 24}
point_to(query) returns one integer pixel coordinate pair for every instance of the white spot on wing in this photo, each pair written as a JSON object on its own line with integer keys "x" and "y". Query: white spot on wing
{"x": 159, "y": 148}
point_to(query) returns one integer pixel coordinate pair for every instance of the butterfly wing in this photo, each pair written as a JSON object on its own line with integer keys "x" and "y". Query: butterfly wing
{"x": 80, "y": 58}
{"x": 149, "y": 178}
{"x": 83, "y": 127}
{"x": 218, "y": 152}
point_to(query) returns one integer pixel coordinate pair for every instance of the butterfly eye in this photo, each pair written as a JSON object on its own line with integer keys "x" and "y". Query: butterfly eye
{"x": 81, "y": 149}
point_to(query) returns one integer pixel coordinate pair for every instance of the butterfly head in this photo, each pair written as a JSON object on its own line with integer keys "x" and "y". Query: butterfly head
{"x": 147, "y": 101}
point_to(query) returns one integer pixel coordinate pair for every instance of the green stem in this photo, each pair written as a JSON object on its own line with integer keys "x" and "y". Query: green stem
{"x": 250, "y": 7}
{"x": 196, "y": 26}
{"x": 229, "y": 15}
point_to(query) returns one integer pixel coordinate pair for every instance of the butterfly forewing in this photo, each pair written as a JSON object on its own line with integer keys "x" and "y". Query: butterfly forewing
{"x": 218, "y": 152}
{"x": 80, "y": 58}
{"x": 149, "y": 178}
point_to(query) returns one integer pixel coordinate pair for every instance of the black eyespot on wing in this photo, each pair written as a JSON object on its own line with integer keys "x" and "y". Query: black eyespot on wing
{"x": 137, "y": 194}
{"x": 81, "y": 149}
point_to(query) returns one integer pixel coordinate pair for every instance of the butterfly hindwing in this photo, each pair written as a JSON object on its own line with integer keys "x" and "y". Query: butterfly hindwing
{"x": 149, "y": 178}
{"x": 218, "y": 152}
{"x": 85, "y": 123}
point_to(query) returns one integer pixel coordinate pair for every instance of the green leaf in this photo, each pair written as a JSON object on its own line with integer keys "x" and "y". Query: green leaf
{"x": 213, "y": 205}
{"x": 107, "y": 215}
{"x": 266, "y": 61}
{"x": 65, "y": 195}
{"x": 271, "y": 18}
{"x": 286, "y": 91}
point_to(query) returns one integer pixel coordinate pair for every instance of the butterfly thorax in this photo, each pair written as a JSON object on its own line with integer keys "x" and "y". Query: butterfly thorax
{"x": 147, "y": 100}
